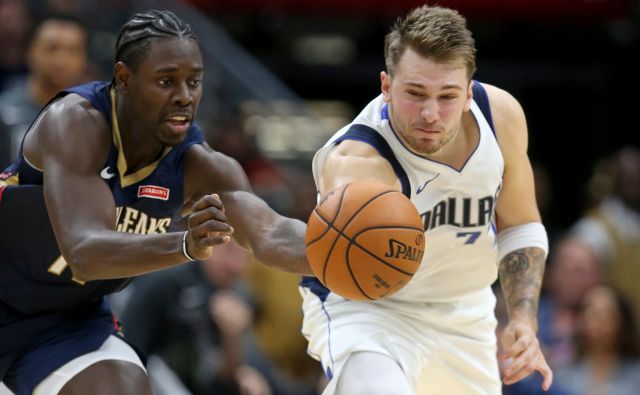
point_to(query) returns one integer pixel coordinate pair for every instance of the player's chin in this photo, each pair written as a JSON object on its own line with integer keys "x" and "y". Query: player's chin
{"x": 168, "y": 136}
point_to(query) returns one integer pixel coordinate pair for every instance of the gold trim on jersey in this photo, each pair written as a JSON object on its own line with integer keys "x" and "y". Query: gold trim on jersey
{"x": 139, "y": 175}
{"x": 13, "y": 180}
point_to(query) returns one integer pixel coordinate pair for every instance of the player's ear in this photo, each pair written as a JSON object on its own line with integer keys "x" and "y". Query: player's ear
{"x": 121, "y": 76}
{"x": 467, "y": 102}
{"x": 385, "y": 85}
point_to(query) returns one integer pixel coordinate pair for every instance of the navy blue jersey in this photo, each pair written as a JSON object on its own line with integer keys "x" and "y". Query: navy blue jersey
{"x": 34, "y": 278}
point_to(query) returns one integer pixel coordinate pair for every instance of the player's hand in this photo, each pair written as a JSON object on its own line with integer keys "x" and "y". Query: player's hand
{"x": 523, "y": 354}
{"x": 207, "y": 227}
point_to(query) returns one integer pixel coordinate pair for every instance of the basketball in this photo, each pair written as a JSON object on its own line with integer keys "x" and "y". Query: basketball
{"x": 364, "y": 240}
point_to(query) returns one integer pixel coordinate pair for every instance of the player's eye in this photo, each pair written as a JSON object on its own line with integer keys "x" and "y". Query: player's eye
{"x": 196, "y": 82}
{"x": 164, "y": 82}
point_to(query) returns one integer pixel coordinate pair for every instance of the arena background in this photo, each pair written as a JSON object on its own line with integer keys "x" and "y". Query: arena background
{"x": 283, "y": 75}
{"x": 289, "y": 73}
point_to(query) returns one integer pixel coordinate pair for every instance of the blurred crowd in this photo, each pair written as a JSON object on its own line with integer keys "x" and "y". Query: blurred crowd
{"x": 589, "y": 311}
{"x": 229, "y": 325}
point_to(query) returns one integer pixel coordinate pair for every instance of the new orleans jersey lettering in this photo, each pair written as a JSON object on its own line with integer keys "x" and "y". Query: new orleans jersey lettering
{"x": 34, "y": 276}
{"x": 130, "y": 220}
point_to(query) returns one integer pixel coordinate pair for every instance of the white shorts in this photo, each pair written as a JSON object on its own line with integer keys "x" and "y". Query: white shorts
{"x": 443, "y": 348}
{"x": 112, "y": 348}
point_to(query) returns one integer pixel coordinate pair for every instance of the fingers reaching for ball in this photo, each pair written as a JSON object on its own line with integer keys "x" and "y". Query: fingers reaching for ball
{"x": 207, "y": 227}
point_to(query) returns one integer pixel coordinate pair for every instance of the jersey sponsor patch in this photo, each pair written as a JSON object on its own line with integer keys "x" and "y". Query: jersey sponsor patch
{"x": 153, "y": 192}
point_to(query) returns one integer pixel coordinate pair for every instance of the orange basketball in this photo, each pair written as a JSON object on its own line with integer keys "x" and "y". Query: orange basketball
{"x": 365, "y": 240}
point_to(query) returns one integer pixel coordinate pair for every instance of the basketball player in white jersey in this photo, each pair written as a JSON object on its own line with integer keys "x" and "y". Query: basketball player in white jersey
{"x": 458, "y": 149}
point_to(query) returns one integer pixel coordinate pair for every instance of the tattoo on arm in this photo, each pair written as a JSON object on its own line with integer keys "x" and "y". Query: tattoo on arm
{"x": 521, "y": 274}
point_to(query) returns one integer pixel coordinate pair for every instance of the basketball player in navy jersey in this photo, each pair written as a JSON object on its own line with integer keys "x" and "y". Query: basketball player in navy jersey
{"x": 93, "y": 199}
{"x": 458, "y": 149}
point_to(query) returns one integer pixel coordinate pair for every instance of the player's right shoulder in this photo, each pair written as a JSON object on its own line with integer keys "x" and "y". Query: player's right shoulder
{"x": 352, "y": 160}
{"x": 68, "y": 125}
{"x": 352, "y": 148}
{"x": 74, "y": 108}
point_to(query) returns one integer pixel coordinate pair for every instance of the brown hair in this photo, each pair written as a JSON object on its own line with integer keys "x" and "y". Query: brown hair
{"x": 434, "y": 32}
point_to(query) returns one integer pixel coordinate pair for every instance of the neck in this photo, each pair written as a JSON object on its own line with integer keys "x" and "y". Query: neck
{"x": 138, "y": 146}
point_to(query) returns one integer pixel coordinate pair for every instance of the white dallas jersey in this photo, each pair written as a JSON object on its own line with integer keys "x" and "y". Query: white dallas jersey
{"x": 457, "y": 207}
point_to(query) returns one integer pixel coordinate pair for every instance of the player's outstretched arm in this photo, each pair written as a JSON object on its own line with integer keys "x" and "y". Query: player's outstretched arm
{"x": 353, "y": 160}
{"x": 522, "y": 243}
{"x": 275, "y": 240}
{"x": 70, "y": 143}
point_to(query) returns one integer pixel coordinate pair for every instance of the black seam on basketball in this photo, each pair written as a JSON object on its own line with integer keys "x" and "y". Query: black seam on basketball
{"x": 363, "y": 207}
{"x": 352, "y": 241}
{"x": 329, "y": 226}
{"x": 344, "y": 190}
{"x": 326, "y": 260}
{"x": 328, "y": 222}
{"x": 353, "y": 277}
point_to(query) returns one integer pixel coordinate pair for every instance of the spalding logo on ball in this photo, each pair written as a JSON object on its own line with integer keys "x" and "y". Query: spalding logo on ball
{"x": 365, "y": 240}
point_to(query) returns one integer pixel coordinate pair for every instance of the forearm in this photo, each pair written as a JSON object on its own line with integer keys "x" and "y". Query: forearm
{"x": 521, "y": 273}
{"x": 283, "y": 247}
{"x": 110, "y": 254}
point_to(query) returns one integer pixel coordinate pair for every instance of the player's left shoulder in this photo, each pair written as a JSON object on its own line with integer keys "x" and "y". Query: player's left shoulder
{"x": 504, "y": 106}
{"x": 508, "y": 116}
{"x": 209, "y": 171}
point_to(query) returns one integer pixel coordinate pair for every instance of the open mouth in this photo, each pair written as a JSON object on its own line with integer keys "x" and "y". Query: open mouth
{"x": 179, "y": 123}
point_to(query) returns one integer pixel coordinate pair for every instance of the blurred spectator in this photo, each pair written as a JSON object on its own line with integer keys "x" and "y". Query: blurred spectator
{"x": 609, "y": 361}
{"x": 57, "y": 59}
{"x": 612, "y": 227}
{"x": 573, "y": 270}
{"x": 15, "y": 26}
{"x": 198, "y": 318}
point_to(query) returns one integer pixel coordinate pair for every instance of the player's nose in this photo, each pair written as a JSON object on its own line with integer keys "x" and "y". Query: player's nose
{"x": 429, "y": 111}
{"x": 182, "y": 95}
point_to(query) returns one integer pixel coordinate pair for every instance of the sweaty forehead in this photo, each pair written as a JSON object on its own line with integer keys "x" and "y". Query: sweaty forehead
{"x": 166, "y": 51}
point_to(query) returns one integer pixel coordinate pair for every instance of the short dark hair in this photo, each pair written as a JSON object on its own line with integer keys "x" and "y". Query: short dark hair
{"x": 134, "y": 39}
{"x": 434, "y": 32}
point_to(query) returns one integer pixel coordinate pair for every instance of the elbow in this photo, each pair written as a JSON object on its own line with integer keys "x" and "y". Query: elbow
{"x": 80, "y": 263}
{"x": 80, "y": 271}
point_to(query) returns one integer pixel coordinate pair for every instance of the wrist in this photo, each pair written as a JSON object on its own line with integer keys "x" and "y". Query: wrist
{"x": 525, "y": 317}
{"x": 185, "y": 250}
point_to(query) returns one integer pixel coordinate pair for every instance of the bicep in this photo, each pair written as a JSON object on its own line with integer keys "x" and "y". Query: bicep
{"x": 352, "y": 161}
{"x": 71, "y": 150}
{"x": 516, "y": 203}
